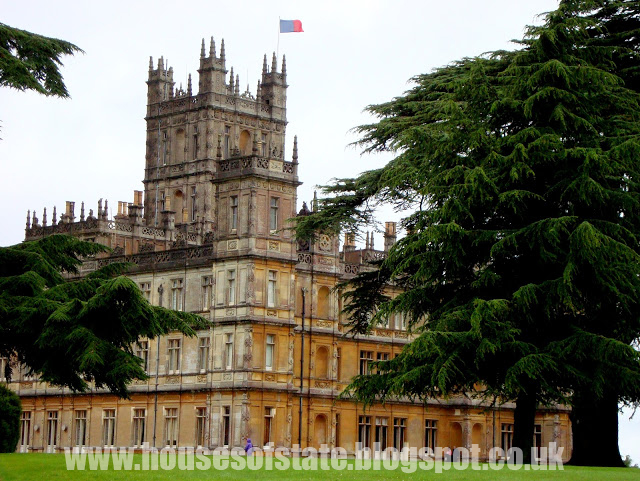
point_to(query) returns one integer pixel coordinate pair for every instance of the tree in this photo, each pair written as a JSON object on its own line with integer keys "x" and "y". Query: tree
{"x": 29, "y": 61}
{"x": 71, "y": 332}
{"x": 520, "y": 267}
{"x": 10, "y": 409}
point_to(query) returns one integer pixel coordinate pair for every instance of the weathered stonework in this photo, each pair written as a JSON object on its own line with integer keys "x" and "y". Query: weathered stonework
{"x": 209, "y": 235}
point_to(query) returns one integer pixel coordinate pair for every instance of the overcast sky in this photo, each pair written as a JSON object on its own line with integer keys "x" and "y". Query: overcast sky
{"x": 351, "y": 54}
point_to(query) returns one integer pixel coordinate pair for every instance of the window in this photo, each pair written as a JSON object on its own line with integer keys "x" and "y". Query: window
{"x": 507, "y": 437}
{"x": 383, "y": 356}
{"x": 174, "y": 355}
{"x": 162, "y": 201}
{"x": 401, "y": 321}
{"x": 227, "y": 134}
{"x": 194, "y": 204}
{"x": 231, "y": 287}
{"x": 537, "y": 438}
{"x": 226, "y": 426}
{"x": 164, "y": 150}
{"x": 271, "y": 289}
{"x": 381, "y": 433}
{"x": 233, "y": 212}
{"x": 108, "y": 427}
{"x": 201, "y": 425}
{"x": 273, "y": 215}
{"x": 142, "y": 351}
{"x": 339, "y": 365}
{"x": 195, "y": 145}
{"x": 228, "y": 351}
{"x": 365, "y": 358}
{"x": 139, "y": 419}
{"x": 52, "y": 428}
{"x": 268, "y": 420}
{"x": 80, "y": 428}
{"x": 270, "y": 351}
{"x": 203, "y": 353}
{"x": 399, "y": 432}
{"x": 337, "y": 443}
{"x": 430, "y": 433}
{"x": 145, "y": 287}
{"x": 25, "y": 428}
{"x": 176, "y": 294}
{"x": 171, "y": 426}
{"x": 207, "y": 292}
{"x": 364, "y": 431}
{"x": 263, "y": 145}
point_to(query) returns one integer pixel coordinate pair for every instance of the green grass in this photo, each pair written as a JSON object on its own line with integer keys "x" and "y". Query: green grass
{"x": 52, "y": 467}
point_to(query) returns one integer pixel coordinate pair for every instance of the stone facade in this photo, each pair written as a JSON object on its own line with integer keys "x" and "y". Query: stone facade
{"x": 209, "y": 234}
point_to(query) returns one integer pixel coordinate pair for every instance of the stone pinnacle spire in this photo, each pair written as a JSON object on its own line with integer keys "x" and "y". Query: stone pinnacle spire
{"x": 294, "y": 156}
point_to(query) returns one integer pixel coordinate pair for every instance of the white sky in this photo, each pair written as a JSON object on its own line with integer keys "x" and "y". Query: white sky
{"x": 352, "y": 54}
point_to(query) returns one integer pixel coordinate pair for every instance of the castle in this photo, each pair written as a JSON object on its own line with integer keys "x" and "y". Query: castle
{"x": 209, "y": 234}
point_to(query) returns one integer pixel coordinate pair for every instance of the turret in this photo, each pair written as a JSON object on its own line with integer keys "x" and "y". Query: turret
{"x": 212, "y": 70}
{"x": 274, "y": 86}
{"x": 160, "y": 83}
{"x": 390, "y": 235}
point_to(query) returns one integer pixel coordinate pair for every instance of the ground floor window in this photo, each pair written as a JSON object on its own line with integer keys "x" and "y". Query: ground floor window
{"x": 226, "y": 425}
{"x": 52, "y": 428}
{"x": 268, "y": 421}
{"x": 382, "y": 425}
{"x": 430, "y": 433}
{"x": 171, "y": 426}
{"x": 108, "y": 427}
{"x": 399, "y": 432}
{"x": 537, "y": 438}
{"x": 139, "y": 422}
{"x": 507, "y": 437}
{"x": 364, "y": 431}
{"x": 80, "y": 428}
{"x": 201, "y": 426}
{"x": 25, "y": 428}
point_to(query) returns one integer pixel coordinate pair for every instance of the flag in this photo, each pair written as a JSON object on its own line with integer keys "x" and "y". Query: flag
{"x": 289, "y": 26}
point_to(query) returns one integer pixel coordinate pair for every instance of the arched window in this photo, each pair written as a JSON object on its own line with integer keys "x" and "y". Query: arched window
{"x": 320, "y": 430}
{"x": 245, "y": 143}
{"x": 323, "y": 303}
{"x": 322, "y": 363}
{"x": 178, "y": 150}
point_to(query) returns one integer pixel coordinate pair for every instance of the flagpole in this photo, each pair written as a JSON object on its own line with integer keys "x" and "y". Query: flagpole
{"x": 278, "y": 47}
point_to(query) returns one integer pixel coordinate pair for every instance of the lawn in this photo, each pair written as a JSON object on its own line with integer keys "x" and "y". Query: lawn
{"x": 52, "y": 467}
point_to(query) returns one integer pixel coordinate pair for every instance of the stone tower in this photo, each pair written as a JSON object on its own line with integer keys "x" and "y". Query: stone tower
{"x": 195, "y": 139}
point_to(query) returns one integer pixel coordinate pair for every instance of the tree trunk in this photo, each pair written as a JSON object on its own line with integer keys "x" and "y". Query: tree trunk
{"x": 594, "y": 423}
{"x": 523, "y": 424}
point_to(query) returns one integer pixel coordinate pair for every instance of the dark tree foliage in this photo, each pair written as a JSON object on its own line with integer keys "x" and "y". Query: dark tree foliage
{"x": 29, "y": 61}
{"x": 521, "y": 264}
{"x": 73, "y": 332}
{"x": 10, "y": 409}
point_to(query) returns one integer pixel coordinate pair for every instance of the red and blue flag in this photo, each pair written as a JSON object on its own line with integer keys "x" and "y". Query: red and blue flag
{"x": 290, "y": 26}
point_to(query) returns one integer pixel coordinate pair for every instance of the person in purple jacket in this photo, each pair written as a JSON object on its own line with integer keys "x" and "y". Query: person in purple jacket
{"x": 249, "y": 447}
